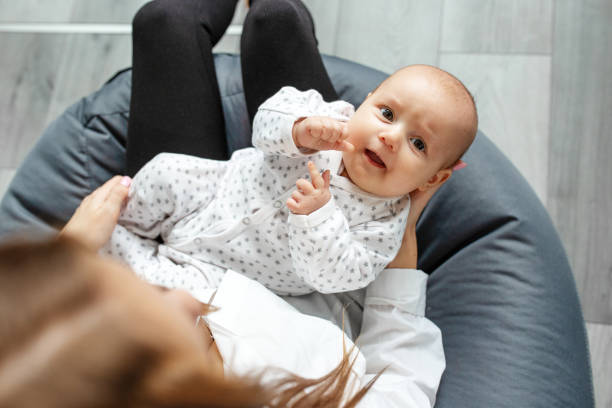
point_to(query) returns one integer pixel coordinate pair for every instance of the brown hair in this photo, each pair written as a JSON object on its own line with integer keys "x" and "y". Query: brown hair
{"x": 107, "y": 360}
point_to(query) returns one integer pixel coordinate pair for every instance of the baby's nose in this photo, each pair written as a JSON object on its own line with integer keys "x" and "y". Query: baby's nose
{"x": 390, "y": 139}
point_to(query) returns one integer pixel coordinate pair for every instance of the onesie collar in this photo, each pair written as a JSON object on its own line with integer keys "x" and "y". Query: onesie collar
{"x": 346, "y": 184}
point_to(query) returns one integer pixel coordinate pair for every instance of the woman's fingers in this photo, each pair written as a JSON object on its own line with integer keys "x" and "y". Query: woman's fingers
{"x": 418, "y": 201}
{"x": 118, "y": 194}
{"x": 99, "y": 195}
{"x": 101, "y": 210}
{"x": 460, "y": 164}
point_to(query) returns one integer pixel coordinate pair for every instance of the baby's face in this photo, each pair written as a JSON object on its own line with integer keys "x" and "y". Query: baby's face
{"x": 403, "y": 135}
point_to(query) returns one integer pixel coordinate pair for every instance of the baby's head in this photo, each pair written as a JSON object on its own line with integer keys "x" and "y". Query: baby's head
{"x": 410, "y": 131}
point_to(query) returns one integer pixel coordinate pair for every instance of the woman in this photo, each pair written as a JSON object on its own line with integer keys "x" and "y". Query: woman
{"x": 82, "y": 331}
{"x": 174, "y": 94}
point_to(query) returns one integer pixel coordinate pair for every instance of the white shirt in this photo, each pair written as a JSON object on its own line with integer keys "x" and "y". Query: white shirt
{"x": 395, "y": 334}
{"x": 214, "y": 215}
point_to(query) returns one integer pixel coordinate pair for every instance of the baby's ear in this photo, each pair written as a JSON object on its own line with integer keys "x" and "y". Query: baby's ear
{"x": 437, "y": 179}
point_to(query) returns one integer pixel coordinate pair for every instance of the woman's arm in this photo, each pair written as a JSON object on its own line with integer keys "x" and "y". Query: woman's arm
{"x": 397, "y": 339}
{"x": 396, "y": 336}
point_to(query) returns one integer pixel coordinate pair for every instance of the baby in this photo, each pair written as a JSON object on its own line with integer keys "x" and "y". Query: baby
{"x": 332, "y": 233}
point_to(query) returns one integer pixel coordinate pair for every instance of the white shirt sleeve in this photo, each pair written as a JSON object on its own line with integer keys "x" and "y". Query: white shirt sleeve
{"x": 397, "y": 336}
{"x": 332, "y": 257}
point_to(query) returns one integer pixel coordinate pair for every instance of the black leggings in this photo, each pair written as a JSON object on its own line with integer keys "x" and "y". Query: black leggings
{"x": 176, "y": 105}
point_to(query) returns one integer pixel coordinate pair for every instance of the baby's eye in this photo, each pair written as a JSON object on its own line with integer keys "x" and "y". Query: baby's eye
{"x": 418, "y": 143}
{"x": 387, "y": 113}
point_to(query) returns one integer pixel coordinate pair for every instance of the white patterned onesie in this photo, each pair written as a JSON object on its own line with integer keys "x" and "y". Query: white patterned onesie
{"x": 218, "y": 215}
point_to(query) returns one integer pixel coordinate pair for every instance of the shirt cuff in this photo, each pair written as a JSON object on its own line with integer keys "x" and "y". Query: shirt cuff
{"x": 314, "y": 218}
{"x": 287, "y": 142}
{"x": 401, "y": 288}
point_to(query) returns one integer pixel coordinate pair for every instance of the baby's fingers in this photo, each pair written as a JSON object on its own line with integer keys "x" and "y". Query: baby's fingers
{"x": 326, "y": 179}
{"x": 315, "y": 176}
{"x": 344, "y": 146}
{"x": 292, "y": 205}
{"x": 334, "y": 132}
{"x": 304, "y": 186}
{"x": 297, "y": 196}
{"x": 314, "y": 127}
{"x": 342, "y": 131}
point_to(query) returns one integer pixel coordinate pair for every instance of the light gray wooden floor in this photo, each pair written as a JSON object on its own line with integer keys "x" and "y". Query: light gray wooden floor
{"x": 539, "y": 70}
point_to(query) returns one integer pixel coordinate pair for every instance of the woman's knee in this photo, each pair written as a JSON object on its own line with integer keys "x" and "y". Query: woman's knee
{"x": 157, "y": 16}
{"x": 274, "y": 15}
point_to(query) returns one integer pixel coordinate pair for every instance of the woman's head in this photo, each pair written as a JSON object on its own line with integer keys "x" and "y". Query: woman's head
{"x": 78, "y": 330}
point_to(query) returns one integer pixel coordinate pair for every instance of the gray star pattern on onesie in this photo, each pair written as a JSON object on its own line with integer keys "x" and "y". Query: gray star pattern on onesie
{"x": 213, "y": 216}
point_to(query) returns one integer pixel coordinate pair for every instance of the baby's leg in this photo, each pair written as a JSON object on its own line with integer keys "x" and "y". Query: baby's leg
{"x": 162, "y": 266}
{"x": 175, "y": 105}
{"x": 278, "y": 48}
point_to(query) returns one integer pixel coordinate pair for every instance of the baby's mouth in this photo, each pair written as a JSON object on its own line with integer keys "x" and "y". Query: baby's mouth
{"x": 374, "y": 159}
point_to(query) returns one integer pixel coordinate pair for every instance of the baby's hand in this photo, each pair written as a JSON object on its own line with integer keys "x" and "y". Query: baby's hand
{"x": 321, "y": 133}
{"x": 310, "y": 196}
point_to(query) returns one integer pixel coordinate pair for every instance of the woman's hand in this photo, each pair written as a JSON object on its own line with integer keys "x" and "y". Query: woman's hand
{"x": 407, "y": 255}
{"x": 94, "y": 220}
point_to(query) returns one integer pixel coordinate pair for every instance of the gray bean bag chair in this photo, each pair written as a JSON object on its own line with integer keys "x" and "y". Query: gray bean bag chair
{"x": 500, "y": 288}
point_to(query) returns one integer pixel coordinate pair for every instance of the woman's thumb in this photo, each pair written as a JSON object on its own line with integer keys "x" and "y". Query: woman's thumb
{"x": 119, "y": 193}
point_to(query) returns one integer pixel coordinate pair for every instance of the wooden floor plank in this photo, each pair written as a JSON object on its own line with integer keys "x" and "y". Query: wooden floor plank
{"x": 580, "y": 169}
{"x": 389, "y": 34}
{"x": 106, "y": 11}
{"x": 326, "y": 16}
{"x": 511, "y": 93}
{"x": 69, "y": 11}
{"x": 43, "y": 75}
{"x": 35, "y": 11}
{"x": 27, "y": 84}
{"x": 87, "y": 62}
{"x": 600, "y": 343}
{"x": 497, "y": 26}
{"x": 77, "y": 11}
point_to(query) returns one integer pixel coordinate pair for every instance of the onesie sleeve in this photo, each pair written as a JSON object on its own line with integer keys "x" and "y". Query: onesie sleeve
{"x": 331, "y": 256}
{"x": 273, "y": 122}
{"x": 397, "y": 337}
